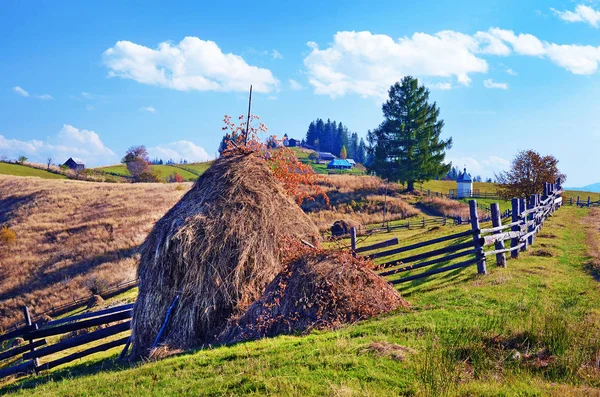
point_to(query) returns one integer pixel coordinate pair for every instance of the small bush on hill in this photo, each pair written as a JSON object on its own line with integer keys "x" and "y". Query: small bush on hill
{"x": 7, "y": 235}
{"x": 96, "y": 285}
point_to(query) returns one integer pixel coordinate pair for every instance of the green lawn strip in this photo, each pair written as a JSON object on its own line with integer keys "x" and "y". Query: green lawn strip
{"x": 465, "y": 331}
{"x": 24, "y": 170}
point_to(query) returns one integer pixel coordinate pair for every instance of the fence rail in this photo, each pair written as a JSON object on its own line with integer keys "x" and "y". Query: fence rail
{"x": 471, "y": 246}
{"x": 115, "y": 320}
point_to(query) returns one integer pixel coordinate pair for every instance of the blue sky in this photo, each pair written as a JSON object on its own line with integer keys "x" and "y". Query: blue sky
{"x": 91, "y": 79}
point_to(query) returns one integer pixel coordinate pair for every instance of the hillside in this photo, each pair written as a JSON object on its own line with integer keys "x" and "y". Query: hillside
{"x": 189, "y": 172}
{"x": 69, "y": 232}
{"x": 23, "y": 170}
{"x": 532, "y": 328}
{"x": 593, "y": 188}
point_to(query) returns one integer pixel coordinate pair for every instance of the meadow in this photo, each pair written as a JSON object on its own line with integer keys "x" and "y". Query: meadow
{"x": 23, "y": 170}
{"x": 529, "y": 329}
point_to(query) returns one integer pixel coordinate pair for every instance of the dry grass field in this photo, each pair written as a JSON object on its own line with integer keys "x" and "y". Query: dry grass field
{"x": 68, "y": 232}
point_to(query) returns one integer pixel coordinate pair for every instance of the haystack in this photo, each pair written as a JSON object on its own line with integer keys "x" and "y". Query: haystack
{"x": 316, "y": 291}
{"x": 217, "y": 249}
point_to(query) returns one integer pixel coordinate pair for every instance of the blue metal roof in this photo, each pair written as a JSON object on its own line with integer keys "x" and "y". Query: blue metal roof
{"x": 464, "y": 177}
{"x": 339, "y": 163}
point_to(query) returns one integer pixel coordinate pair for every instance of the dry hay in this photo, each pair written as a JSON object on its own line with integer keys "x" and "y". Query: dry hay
{"x": 386, "y": 349}
{"x": 217, "y": 248}
{"x": 317, "y": 290}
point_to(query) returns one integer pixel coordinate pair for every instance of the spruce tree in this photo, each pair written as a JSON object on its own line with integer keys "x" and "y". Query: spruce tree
{"x": 407, "y": 146}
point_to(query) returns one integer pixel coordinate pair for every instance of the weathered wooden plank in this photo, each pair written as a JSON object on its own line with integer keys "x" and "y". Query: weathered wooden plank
{"x": 511, "y": 249}
{"x": 21, "y": 349}
{"x": 420, "y": 245}
{"x": 425, "y": 255}
{"x": 428, "y": 263}
{"x": 79, "y": 340}
{"x": 21, "y": 369}
{"x": 436, "y": 271}
{"x": 494, "y": 238}
{"x": 62, "y": 329}
{"x": 78, "y": 317}
{"x": 16, "y": 333}
{"x": 500, "y": 228}
{"x": 382, "y": 244}
{"x": 84, "y": 353}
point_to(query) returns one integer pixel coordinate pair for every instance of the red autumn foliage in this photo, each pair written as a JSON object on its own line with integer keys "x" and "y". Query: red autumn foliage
{"x": 298, "y": 179}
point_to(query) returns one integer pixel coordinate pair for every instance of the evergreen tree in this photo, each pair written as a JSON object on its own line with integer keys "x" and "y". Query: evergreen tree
{"x": 407, "y": 147}
{"x": 320, "y": 130}
{"x": 361, "y": 154}
{"x": 353, "y": 146}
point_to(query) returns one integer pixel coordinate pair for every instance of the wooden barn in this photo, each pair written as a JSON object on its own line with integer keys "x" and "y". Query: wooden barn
{"x": 75, "y": 164}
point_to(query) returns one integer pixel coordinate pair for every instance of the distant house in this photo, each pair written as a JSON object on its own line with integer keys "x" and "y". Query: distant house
{"x": 465, "y": 184}
{"x": 326, "y": 156}
{"x": 352, "y": 162}
{"x": 290, "y": 142}
{"x": 339, "y": 164}
{"x": 75, "y": 164}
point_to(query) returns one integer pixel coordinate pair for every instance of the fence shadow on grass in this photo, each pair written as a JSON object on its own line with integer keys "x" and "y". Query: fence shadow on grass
{"x": 454, "y": 277}
{"x": 10, "y": 204}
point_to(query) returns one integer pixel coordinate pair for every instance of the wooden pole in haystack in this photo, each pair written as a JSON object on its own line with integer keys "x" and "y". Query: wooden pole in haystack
{"x": 248, "y": 120}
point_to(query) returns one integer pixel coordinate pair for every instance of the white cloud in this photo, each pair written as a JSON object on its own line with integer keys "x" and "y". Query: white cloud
{"x": 149, "y": 109}
{"x": 577, "y": 59}
{"x": 296, "y": 86}
{"x": 489, "y": 83}
{"x": 193, "y": 64}
{"x": 179, "y": 150}
{"x": 486, "y": 167}
{"x": 44, "y": 97}
{"x": 523, "y": 44}
{"x": 68, "y": 142}
{"x": 582, "y": 13}
{"x": 443, "y": 86}
{"x": 367, "y": 64}
{"x": 276, "y": 55}
{"x": 511, "y": 72}
{"x": 22, "y": 92}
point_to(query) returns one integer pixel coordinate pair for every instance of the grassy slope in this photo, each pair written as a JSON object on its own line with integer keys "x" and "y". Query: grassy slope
{"x": 453, "y": 321}
{"x": 23, "y": 170}
{"x": 164, "y": 170}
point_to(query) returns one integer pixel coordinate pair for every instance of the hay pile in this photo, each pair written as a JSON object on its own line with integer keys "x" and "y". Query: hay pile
{"x": 343, "y": 227}
{"x": 316, "y": 291}
{"x": 217, "y": 248}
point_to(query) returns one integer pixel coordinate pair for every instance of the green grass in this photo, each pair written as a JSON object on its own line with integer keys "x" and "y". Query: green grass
{"x": 446, "y": 186}
{"x": 189, "y": 172}
{"x": 23, "y": 170}
{"x": 465, "y": 332}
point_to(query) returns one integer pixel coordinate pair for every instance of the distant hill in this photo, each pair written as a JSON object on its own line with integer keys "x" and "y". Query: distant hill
{"x": 594, "y": 188}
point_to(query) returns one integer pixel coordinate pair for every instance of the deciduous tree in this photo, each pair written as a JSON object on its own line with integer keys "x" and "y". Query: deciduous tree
{"x": 528, "y": 172}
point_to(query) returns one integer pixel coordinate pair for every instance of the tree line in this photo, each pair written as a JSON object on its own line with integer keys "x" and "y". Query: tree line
{"x": 335, "y": 138}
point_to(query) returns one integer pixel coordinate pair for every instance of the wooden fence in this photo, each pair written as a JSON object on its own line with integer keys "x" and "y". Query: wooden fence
{"x": 583, "y": 203}
{"x": 76, "y": 303}
{"x": 470, "y": 246}
{"x": 107, "y": 323}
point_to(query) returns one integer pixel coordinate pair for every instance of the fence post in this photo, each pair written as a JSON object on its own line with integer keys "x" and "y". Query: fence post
{"x": 532, "y": 200}
{"x": 589, "y": 200}
{"x": 499, "y": 245}
{"x": 578, "y": 201}
{"x": 35, "y": 361}
{"x": 522, "y": 208}
{"x": 423, "y": 222}
{"x": 477, "y": 236}
{"x": 516, "y": 211}
{"x": 353, "y": 240}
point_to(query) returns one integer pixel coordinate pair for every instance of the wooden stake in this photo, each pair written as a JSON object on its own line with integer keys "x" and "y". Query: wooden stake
{"x": 248, "y": 120}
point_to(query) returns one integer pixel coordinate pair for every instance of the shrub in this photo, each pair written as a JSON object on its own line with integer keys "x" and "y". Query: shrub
{"x": 175, "y": 178}
{"x": 7, "y": 235}
{"x": 96, "y": 285}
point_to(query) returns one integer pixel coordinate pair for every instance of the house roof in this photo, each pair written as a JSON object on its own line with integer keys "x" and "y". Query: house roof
{"x": 339, "y": 163}
{"x": 351, "y": 161}
{"x": 76, "y": 160}
{"x": 464, "y": 177}
{"x": 326, "y": 155}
